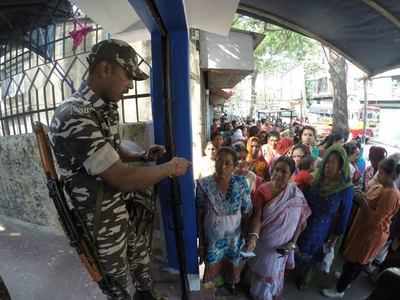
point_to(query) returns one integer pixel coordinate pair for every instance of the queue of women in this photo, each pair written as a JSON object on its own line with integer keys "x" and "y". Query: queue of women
{"x": 269, "y": 202}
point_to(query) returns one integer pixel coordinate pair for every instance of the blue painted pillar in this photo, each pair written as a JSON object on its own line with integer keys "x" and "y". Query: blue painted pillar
{"x": 173, "y": 16}
{"x": 182, "y": 125}
{"x": 182, "y": 129}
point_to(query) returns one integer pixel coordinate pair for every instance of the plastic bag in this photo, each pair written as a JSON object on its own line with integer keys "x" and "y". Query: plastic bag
{"x": 329, "y": 255}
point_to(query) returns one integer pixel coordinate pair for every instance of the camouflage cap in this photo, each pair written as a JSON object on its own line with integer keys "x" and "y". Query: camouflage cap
{"x": 120, "y": 52}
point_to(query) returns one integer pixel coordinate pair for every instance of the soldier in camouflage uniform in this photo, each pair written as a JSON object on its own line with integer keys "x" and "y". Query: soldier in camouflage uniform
{"x": 84, "y": 136}
{"x": 141, "y": 208}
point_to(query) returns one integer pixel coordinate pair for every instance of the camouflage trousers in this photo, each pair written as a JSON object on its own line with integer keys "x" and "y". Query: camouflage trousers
{"x": 123, "y": 243}
{"x": 139, "y": 247}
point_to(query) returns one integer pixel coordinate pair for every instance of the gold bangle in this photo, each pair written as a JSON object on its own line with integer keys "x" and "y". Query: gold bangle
{"x": 255, "y": 234}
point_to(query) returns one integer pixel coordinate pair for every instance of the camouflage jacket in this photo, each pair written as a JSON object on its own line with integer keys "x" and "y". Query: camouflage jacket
{"x": 85, "y": 140}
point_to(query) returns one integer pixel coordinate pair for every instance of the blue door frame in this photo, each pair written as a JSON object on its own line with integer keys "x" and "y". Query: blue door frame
{"x": 173, "y": 17}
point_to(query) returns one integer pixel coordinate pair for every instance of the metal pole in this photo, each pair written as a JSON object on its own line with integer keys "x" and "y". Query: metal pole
{"x": 365, "y": 111}
{"x": 175, "y": 191}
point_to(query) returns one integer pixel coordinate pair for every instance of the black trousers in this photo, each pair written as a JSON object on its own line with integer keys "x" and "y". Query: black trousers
{"x": 388, "y": 286}
{"x": 349, "y": 274}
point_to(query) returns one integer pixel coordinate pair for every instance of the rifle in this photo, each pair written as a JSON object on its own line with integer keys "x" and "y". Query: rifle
{"x": 70, "y": 219}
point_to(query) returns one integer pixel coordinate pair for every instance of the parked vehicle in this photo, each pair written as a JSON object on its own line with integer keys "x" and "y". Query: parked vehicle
{"x": 320, "y": 115}
{"x": 283, "y": 115}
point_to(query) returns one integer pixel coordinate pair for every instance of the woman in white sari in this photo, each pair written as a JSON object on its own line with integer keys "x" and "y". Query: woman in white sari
{"x": 280, "y": 215}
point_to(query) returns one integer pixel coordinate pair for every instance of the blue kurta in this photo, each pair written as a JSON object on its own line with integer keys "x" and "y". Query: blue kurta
{"x": 223, "y": 216}
{"x": 329, "y": 215}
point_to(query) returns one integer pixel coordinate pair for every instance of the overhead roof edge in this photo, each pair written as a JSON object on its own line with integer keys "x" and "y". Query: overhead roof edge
{"x": 383, "y": 11}
{"x": 265, "y": 16}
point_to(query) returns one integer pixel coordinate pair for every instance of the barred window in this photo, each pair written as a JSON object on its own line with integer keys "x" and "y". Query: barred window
{"x": 36, "y": 77}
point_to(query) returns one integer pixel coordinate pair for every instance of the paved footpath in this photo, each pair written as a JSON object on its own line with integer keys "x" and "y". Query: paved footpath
{"x": 38, "y": 264}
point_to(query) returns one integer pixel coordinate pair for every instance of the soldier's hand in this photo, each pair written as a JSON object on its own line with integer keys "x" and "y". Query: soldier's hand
{"x": 155, "y": 152}
{"x": 178, "y": 166}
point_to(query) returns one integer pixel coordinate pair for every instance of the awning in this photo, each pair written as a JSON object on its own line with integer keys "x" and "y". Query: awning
{"x": 224, "y": 93}
{"x": 210, "y": 15}
{"x": 120, "y": 19}
{"x": 220, "y": 96}
{"x": 366, "y": 32}
{"x": 227, "y": 60}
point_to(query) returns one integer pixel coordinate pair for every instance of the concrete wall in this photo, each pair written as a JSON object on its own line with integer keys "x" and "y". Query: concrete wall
{"x": 23, "y": 191}
{"x": 196, "y": 108}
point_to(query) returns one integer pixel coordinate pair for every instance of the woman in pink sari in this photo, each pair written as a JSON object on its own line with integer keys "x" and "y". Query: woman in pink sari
{"x": 279, "y": 217}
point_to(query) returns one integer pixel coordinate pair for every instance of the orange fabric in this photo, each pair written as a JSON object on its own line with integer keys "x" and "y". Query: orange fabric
{"x": 370, "y": 229}
{"x": 258, "y": 165}
{"x": 303, "y": 179}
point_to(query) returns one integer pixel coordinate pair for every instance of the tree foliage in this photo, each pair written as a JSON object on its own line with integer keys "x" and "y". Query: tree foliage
{"x": 281, "y": 49}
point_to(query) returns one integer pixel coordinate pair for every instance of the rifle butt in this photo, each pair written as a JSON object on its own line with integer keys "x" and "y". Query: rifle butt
{"x": 46, "y": 156}
{"x": 91, "y": 268}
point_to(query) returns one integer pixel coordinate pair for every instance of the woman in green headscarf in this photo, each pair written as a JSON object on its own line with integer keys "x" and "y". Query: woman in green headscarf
{"x": 330, "y": 199}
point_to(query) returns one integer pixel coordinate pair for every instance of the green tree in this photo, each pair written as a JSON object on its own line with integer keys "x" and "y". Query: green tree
{"x": 280, "y": 50}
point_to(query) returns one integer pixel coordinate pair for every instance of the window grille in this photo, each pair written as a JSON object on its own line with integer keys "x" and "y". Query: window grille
{"x": 36, "y": 75}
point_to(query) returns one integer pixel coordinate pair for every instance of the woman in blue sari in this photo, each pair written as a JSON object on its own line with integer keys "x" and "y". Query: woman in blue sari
{"x": 330, "y": 199}
{"x": 223, "y": 201}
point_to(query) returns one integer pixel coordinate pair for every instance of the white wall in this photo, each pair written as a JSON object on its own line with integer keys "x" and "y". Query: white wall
{"x": 272, "y": 90}
{"x": 196, "y": 108}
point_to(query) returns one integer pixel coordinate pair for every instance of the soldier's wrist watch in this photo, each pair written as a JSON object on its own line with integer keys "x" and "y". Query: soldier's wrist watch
{"x": 144, "y": 157}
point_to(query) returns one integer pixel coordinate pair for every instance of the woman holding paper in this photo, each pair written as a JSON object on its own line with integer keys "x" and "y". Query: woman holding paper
{"x": 280, "y": 214}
